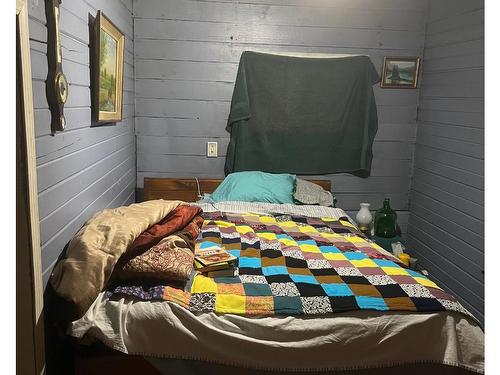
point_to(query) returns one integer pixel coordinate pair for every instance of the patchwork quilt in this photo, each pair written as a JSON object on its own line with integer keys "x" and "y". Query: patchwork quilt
{"x": 295, "y": 265}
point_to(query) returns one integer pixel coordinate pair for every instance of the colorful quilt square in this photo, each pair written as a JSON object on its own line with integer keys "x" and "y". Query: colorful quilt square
{"x": 243, "y": 229}
{"x": 329, "y": 249}
{"x": 284, "y": 289}
{"x": 396, "y": 271}
{"x": 400, "y": 303}
{"x": 371, "y": 271}
{"x": 341, "y": 304}
{"x": 402, "y": 279}
{"x": 318, "y": 264}
{"x": 231, "y": 289}
{"x": 249, "y": 262}
{"x": 363, "y": 263}
{"x": 385, "y": 263}
{"x": 348, "y": 271}
{"x": 279, "y": 279}
{"x": 414, "y": 273}
{"x": 266, "y": 235}
{"x": 309, "y": 279}
{"x": 391, "y": 291}
{"x": 292, "y": 253}
{"x": 314, "y": 255}
{"x": 380, "y": 279}
{"x": 337, "y": 290}
{"x": 260, "y": 279}
{"x": 355, "y": 280}
{"x": 288, "y": 305}
{"x": 323, "y": 271}
{"x": 227, "y": 280}
{"x": 250, "y": 245}
{"x": 439, "y": 293}
{"x": 310, "y": 290}
{"x": 352, "y": 255}
{"x": 371, "y": 303}
{"x": 425, "y": 281}
{"x": 274, "y": 270}
{"x": 365, "y": 290}
{"x": 416, "y": 290}
{"x": 295, "y": 263}
{"x": 202, "y": 284}
{"x": 250, "y": 271}
{"x": 271, "y": 253}
{"x": 257, "y": 289}
{"x": 427, "y": 304}
{"x": 334, "y": 256}
{"x": 202, "y": 302}
{"x": 231, "y": 245}
{"x": 299, "y": 271}
{"x": 230, "y": 304}
{"x": 259, "y": 305}
{"x": 316, "y": 305}
{"x": 250, "y": 253}
{"x": 309, "y": 248}
{"x": 329, "y": 279}
{"x": 340, "y": 263}
{"x": 274, "y": 245}
{"x": 270, "y": 262}
{"x": 234, "y": 253}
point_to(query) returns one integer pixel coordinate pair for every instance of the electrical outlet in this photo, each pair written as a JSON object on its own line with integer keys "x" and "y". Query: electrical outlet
{"x": 211, "y": 149}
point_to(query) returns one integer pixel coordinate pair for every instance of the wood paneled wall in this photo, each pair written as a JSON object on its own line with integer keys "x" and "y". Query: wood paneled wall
{"x": 186, "y": 58}
{"x": 82, "y": 169}
{"x": 446, "y": 227}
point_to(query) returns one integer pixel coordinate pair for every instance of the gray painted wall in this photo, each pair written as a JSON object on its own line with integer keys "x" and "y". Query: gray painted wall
{"x": 186, "y": 58}
{"x": 446, "y": 225}
{"x": 81, "y": 170}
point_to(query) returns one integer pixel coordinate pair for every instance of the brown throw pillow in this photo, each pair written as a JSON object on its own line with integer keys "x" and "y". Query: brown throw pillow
{"x": 170, "y": 259}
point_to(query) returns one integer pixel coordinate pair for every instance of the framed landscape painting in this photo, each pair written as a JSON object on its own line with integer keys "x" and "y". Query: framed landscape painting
{"x": 400, "y": 72}
{"x": 107, "y": 71}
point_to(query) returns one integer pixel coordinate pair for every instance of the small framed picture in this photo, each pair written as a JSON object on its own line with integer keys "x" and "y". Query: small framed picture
{"x": 107, "y": 71}
{"x": 400, "y": 72}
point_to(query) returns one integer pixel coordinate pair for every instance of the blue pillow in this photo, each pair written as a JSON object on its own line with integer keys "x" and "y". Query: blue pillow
{"x": 256, "y": 187}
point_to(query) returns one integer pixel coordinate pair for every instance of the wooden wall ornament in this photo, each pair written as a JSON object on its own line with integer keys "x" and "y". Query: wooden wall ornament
{"x": 57, "y": 85}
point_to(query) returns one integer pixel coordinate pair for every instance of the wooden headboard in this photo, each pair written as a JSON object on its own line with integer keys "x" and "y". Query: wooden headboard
{"x": 185, "y": 189}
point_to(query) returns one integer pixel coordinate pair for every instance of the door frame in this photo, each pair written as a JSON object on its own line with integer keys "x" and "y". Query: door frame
{"x": 28, "y": 250}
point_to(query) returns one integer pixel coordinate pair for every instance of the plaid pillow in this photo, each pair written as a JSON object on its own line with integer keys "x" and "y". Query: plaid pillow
{"x": 310, "y": 193}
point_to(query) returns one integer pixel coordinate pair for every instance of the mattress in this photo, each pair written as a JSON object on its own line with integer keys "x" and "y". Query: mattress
{"x": 337, "y": 341}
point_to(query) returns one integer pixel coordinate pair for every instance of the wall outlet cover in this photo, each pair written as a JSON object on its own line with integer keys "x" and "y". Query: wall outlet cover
{"x": 212, "y": 149}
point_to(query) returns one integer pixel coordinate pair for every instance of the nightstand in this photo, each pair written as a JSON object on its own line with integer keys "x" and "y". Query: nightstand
{"x": 386, "y": 243}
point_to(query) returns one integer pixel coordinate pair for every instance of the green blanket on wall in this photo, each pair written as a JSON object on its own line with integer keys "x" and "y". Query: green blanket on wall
{"x": 302, "y": 115}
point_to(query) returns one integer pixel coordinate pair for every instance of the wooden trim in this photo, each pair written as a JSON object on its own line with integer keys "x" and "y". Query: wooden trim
{"x": 186, "y": 189}
{"x": 28, "y": 130}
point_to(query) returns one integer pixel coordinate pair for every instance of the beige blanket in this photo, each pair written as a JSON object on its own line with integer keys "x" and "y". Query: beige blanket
{"x": 95, "y": 249}
{"x": 350, "y": 340}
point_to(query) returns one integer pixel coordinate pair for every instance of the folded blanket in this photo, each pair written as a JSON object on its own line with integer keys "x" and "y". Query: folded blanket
{"x": 175, "y": 221}
{"x": 95, "y": 249}
{"x": 171, "y": 259}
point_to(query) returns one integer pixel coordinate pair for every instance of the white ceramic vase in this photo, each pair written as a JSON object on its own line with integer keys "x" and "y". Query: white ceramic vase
{"x": 364, "y": 216}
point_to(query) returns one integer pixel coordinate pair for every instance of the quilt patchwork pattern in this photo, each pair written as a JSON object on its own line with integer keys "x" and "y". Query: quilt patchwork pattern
{"x": 294, "y": 265}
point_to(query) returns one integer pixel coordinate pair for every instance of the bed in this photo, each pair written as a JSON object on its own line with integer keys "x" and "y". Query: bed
{"x": 175, "y": 335}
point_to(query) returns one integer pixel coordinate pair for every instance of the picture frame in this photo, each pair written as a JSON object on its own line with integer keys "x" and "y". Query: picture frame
{"x": 107, "y": 70}
{"x": 400, "y": 72}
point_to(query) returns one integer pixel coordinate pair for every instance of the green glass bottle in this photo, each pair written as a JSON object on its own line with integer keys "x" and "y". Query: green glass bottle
{"x": 385, "y": 221}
